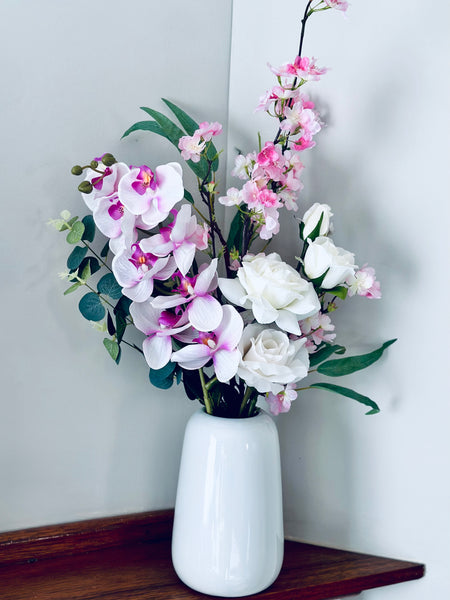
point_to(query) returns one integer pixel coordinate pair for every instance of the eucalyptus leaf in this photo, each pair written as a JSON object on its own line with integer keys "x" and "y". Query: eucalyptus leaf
{"x": 75, "y": 235}
{"x": 72, "y": 288}
{"x": 89, "y": 228}
{"x": 109, "y": 286}
{"x": 349, "y": 393}
{"x": 75, "y": 257}
{"x": 91, "y": 307}
{"x": 86, "y": 273}
{"x": 145, "y": 126}
{"x": 104, "y": 251}
{"x": 163, "y": 378}
{"x": 110, "y": 324}
{"x": 93, "y": 263}
{"x": 345, "y": 366}
{"x": 112, "y": 348}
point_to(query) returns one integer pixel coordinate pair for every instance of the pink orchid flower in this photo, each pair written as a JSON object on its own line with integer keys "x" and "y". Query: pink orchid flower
{"x": 152, "y": 195}
{"x": 218, "y": 345}
{"x": 104, "y": 186}
{"x": 204, "y": 311}
{"x": 159, "y": 327}
{"x": 182, "y": 238}
{"x": 135, "y": 271}
{"x": 116, "y": 222}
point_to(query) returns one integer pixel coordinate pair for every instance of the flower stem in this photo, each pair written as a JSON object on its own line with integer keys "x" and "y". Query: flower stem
{"x": 248, "y": 391}
{"x": 206, "y": 397}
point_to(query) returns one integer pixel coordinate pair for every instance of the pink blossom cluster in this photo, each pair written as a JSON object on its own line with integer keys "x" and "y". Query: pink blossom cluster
{"x": 315, "y": 328}
{"x": 192, "y": 146}
{"x": 273, "y": 180}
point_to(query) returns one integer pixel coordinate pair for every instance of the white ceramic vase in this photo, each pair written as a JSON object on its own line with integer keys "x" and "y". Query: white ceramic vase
{"x": 228, "y": 528}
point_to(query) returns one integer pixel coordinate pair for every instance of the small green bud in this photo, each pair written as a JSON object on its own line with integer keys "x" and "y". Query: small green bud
{"x": 108, "y": 160}
{"x": 94, "y": 164}
{"x": 76, "y": 170}
{"x": 85, "y": 187}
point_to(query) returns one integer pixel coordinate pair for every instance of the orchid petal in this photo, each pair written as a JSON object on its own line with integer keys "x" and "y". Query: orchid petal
{"x": 157, "y": 351}
{"x": 229, "y": 332}
{"x": 205, "y": 279}
{"x": 136, "y": 203}
{"x": 184, "y": 257}
{"x": 178, "y": 233}
{"x": 140, "y": 292}
{"x": 168, "y": 301}
{"x": 192, "y": 357}
{"x": 205, "y": 313}
{"x": 226, "y": 364}
{"x": 145, "y": 317}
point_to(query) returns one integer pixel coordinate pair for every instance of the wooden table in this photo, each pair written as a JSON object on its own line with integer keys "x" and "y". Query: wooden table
{"x": 128, "y": 558}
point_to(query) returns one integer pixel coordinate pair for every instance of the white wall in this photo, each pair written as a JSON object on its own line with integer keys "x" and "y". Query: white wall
{"x": 79, "y": 436}
{"x": 375, "y": 484}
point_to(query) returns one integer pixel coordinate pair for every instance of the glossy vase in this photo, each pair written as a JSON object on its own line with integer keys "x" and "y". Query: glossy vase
{"x": 228, "y": 528}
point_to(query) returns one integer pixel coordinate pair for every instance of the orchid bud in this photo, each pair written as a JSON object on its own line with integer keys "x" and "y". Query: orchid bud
{"x": 94, "y": 164}
{"x": 76, "y": 170}
{"x": 108, "y": 160}
{"x": 85, "y": 187}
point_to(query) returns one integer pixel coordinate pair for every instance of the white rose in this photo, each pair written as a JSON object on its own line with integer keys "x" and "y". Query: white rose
{"x": 321, "y": 255}
{"x": 311, "y": 219}
{"x": 270, "y": 360}
{"x": 273, "y": 290}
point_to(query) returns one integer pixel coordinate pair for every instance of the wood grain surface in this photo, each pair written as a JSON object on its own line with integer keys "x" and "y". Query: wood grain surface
{"x": 114, "y": 565}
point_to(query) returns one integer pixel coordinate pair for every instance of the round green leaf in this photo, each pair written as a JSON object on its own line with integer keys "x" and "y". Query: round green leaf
{"x": 91, "y": 307}
{"x": 109, "y": 286}
{"x": 75, "y": 257}
{"x": 89, "y": 228}
{"x": 76, "y": 233}
{"x": 112, "y": 347}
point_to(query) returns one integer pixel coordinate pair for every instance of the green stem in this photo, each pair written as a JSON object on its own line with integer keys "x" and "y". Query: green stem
{"x": 206, "y": 398}
{"x": 96, "y": 255}
{"x": 248, "y": 391}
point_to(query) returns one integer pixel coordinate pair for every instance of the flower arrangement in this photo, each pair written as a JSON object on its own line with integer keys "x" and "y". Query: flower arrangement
{"x": 264, "y": 324}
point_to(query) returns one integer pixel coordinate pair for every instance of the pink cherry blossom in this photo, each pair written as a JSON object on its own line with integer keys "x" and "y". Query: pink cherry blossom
{"x": 364, "y": 283}
{"x": 182, "y": 237}
{"x": 159, "y": 327}
{"x": 302, "y": 68}
{"x": 233, "y": 197}
{"x": 208, "y": 130}
{"x": 152, "y": 197}
{"x": 204, "y": 311}
{"x": 281, "y": 402}
{"x": 338, "y": 4}
{"x": 315, "y": 328}
{"x": 218, "y": 345}
{"x": 191, "y": 147}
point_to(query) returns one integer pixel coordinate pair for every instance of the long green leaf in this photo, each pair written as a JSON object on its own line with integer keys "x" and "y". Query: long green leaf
{"x": 235, "y": 235}
{"x": 112, "y": 347}
{"x": 343, "y": 391}
{"x": 325, "y": 352}
{"x": 145, "y": 126}
{"x": 173, "y": 134}
{"x": 345, "y": 366}
{"x": 185, "y": 120}
{"x": 190, "y": 126}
